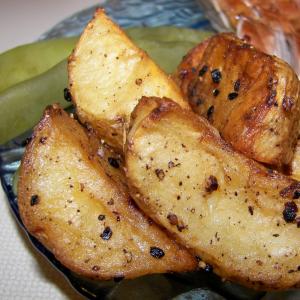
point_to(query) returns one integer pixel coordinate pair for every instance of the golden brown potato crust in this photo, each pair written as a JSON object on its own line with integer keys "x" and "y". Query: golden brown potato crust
{"x": 239, "y": 217}
{"x": 87, "y": 220}
{"x": 250, "y": 97}
{"x": 108, "y": 74}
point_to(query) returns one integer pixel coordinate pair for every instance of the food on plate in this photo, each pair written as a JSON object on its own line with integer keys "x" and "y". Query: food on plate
{"x": 165, "y": 45}
{"x": 272, "y": 26}
{"x": 70, "y": 202}
{"x": 108, "y": 74}
{"x": 250, "y": 97}
{"x": 240, "y": 218}
{"x": 27, "y": 61}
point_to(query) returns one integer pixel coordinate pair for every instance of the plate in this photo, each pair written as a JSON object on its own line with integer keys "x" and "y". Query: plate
{"x": 186, "y": 13}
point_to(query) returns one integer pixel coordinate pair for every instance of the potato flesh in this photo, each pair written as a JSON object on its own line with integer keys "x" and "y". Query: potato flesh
{"x": 77, "y": 201}
{"x": 108, "y": 74}
{"x": 237, "y": 227}
{"x": 256, "y": 103}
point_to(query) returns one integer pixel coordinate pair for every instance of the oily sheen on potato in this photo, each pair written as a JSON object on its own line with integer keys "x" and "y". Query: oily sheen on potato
{"x": 108, "y": 74}
{"x": 239, "y": 217}
{"x": 252, "y": 98}
{"x": 69, "y": 201}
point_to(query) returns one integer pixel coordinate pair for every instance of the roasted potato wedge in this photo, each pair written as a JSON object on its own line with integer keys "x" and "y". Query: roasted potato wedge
{"x": 235, "y": 214}
{"x": 70, "y": 204}
{"x": 250, "y": 97}
{"x": 108, "y": 74}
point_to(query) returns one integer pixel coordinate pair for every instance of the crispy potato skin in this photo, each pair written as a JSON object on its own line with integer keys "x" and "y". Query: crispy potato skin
{"x": 66, "y": 201}
{"x": 108, "y": 74}
{"x": 226, "y": 208}
{"x": 255, "y": 104}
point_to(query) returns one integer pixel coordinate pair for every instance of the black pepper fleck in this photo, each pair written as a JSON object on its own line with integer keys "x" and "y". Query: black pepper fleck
{"x": 101, "y": 217}
{"x": 106, "y": 234}
{"x": 160, "y": 174}
{"x": 34, "y": 200}
{"x": 156, "y": 252}
{"x": 203, "y": 70}
{"x": 237, "y": 85}
{"x": 113, "y": 162}
{"x": 67, "y": 95}
{"x": 232, "y": 96}
{"x": 172, "y": 219}
{"x": 210, "y": 112}
{"x": 216, "y": 92}
{"x": 290, "y": 211}
{"x": 43, "y": 140}
{"x": 216, "y": 75}
{"x": 211, "y": 184}
{"x": 250, "y": 208}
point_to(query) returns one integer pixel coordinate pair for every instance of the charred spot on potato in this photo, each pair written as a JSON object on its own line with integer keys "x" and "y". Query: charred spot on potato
{"x": 113, "y": 162}
{"x": 67, "y": 95}
{"x": 34, "y": 200}
{"x": 211, "y": 184}
{"x": 210, "y": 112}
{"x": 95, "y": 268}
{"x": 236, "y": 86}
{"x": 216, "y": 75}
{"x": 156, "y": 252}
{"x": 250, "y": 209}
{"x": 276, "y": 235}
{"x": 290, "y": 211}
{"x": 160, "y": 174}
{"x": 106, "y": 234}
{"x": 101, "y": 217}
{"x": 43, "y": 140}
{"x": 203, "y": 70}
{"x": 215, "y": 92}
{"x": 111, "y": 202}
{"x": 173, "y": 220}
{"x": 288, "y": 103}
{"x": 232, "y": 96}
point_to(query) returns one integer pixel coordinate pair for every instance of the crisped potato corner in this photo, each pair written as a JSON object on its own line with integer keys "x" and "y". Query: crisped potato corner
{"x": 236, "y": 215}
{"x": 250, "y": 97}
{"x": 108, "y": 74}
{"x": 87, "y": 220}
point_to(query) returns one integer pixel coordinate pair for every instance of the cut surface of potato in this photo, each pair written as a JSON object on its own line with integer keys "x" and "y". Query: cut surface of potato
{"x": 71, "y": 204}
{"x": 252, "y": 98}
{"x": 239, "y": 217}
{"x": 108, "y": 74}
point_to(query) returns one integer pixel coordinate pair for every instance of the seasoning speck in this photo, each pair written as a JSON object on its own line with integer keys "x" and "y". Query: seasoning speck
{"x": 157, "y": 252}
{"x": 237, "y": 85}
{"x": 290, "y": 211}
{"x": 216, "y": 75}
{"x": 101, "y": 217}
{"x": 95, "y": 268}
{"x": 172, "y": 219}
{"x": 34, "y": 200}
{"x": 232, "y": 96}
{"x": 160, "y": 174}
{"x": 210, "y": 112}
{"x": 216, "y": 92}
{"x": 211, "y": 184}
{"x": 67, "y": 95}
{"x": 113, "y": 162}
{"x": 250, "y": 209}
{"x": 203, "y": 70}
{"x": 106, "y": 234}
